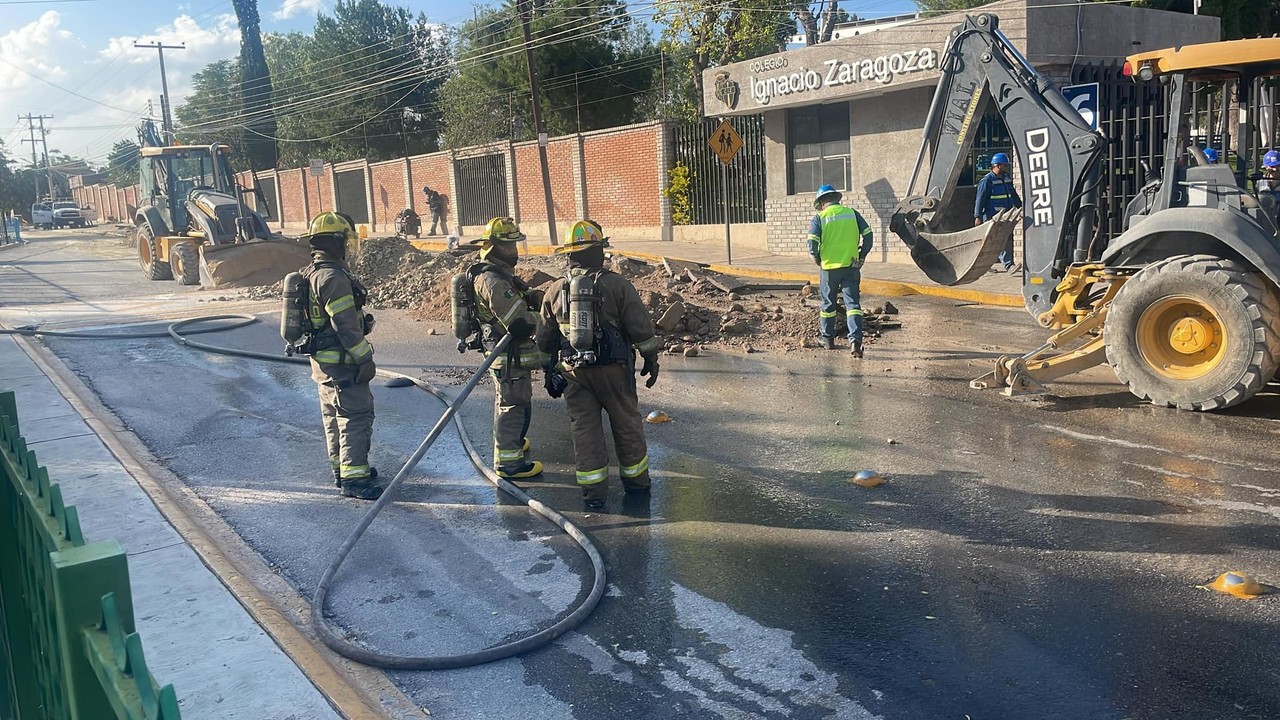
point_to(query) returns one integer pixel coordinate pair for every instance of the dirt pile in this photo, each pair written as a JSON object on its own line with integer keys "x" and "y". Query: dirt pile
{"x": 398, "y": 275}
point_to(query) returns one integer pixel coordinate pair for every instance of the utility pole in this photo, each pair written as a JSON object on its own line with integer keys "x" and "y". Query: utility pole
{"x": 31, "y": 128}
{"x": 526, "y": 17}
{"x": 164, "y": 84}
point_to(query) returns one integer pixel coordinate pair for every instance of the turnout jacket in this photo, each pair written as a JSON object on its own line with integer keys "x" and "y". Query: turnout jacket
{"x": 502, "y": 299}
{"x": 337, "y": 318}
{"x": 620, "y": 306}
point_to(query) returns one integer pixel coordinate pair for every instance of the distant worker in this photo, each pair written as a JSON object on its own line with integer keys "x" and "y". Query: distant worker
{"x": 1211, "y": 155}
{"x": 594, "y": 321}
{"x": 839, "y": 242}
{"x": 1270, "y": 180}
{"x": 341, "y": 357}
{"x": 995, "y": 193}
{"x": 505, "y": 305}
{"x": 436, "y": 203}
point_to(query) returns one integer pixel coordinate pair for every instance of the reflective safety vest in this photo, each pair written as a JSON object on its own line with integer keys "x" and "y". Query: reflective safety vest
{"x": 838, "y": 232}
{"x": 1002, "y": 195}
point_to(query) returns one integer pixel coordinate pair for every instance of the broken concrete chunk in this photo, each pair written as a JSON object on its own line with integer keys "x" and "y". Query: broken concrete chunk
{"x": 890, "y": 309}
{"x": 672, "y": 317}
{"x": 676, "y": 267}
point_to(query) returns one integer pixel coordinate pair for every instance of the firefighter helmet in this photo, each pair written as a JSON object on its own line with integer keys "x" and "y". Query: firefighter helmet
{"x": 582, "y": 235}
{"x": 332, "y": 222}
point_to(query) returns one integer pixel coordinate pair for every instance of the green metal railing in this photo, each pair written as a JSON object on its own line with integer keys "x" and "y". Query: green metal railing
{"x": 70, "y": 651}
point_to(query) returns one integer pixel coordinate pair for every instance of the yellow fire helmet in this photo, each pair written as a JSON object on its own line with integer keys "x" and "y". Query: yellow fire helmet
{"x": 500, "y": 229}
{"x": 332, "y": 222}
{"x": 582, "y": 235}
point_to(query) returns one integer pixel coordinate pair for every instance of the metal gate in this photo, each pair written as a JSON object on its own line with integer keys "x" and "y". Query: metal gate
{"x": 353, "y": 196}
{"x": 482, "y": 189}
{"x": 272, "y": 206}
{"x": 1132, "y": 117}
{"x": 706, "y": 178}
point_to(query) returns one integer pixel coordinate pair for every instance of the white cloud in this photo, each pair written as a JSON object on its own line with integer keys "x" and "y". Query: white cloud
{"x": 290, "y": 8}
{"x": 40, "y": 48}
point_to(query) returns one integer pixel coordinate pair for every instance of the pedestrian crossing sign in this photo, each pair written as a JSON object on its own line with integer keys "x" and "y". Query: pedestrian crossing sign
{"x": 725, "y": 142}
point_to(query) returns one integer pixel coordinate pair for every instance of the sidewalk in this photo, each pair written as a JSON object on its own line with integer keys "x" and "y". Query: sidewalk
{"x": 195, "y": 633}
{"x": 878, "y": 278}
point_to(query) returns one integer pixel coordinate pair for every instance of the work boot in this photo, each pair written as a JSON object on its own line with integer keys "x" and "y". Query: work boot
{"x": 856, "y": 351}
{"x": 363, "y": 488}
{"x": 829, "y": 343}
{"x": 593, "y": 504}
{"x": 518, "y": 472}
{"x": 337, "y": 477}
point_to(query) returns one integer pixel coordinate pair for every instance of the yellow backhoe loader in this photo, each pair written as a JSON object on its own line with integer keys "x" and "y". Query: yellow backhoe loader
{"x": 193, "y": 225}
{"x": 1182, "y": 304}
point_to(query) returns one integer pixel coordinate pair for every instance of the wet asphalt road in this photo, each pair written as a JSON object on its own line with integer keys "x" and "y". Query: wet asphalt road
{"x": 1027, "y": 559}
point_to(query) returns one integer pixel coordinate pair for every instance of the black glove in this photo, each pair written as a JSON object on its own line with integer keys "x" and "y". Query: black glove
{"x": 650, "y": 368}
{"x": 520, "y": 329}
{"x": 366, "y": 372}
{"x": 554, "y": 381}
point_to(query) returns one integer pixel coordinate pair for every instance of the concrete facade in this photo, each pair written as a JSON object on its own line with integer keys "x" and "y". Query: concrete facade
{"x": 886, "y": 78}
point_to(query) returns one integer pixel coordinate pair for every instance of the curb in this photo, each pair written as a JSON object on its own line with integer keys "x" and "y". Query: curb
{"x": 871, "y": 286}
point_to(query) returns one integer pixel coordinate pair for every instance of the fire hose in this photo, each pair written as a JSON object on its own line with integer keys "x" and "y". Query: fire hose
{"x": 327, "y": 632}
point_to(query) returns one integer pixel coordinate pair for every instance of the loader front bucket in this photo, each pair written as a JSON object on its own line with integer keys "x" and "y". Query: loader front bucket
{"x": 955, "y": 258}
{"x": 252, "y": 263}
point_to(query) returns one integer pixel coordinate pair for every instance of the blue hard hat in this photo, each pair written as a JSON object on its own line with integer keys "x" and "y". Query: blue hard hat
{"x": 1211, "y": 154}
{"x": 825, "y": 191}
{"x": 1271, "y": 159}
{"x": 1000, "y": 159}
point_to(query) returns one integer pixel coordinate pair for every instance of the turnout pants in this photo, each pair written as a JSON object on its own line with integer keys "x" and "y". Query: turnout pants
{"x": 512, "y": 408}
{"x": 348, "y": 423}
{"x": 847, "y": 280}
{"x": 610, "y": 388}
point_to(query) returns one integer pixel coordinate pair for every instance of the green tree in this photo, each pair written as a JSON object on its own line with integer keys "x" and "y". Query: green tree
{"x": 712, "y": 32}
{"x": 208, "y": 114}
{"x": 595, "y": 67}
{"x": 1240, "y": 18}
{"x": 941, "y": 6}
{"x": 255, "y": 80}
{"x": 122, "y": 163}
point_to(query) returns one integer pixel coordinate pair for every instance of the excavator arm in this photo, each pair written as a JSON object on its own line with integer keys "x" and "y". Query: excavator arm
{"x": 1058, "y": 158}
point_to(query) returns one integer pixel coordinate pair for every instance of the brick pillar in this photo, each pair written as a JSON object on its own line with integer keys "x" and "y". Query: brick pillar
{"x": 454, "y": 214}
{"x": 306, "y": 198}
{"x": 371, "y": 208}
{"x": 579, "y": 163}
{"x": 408, "y": 185}
{"x": 666, "y": 160}
{"x": 513, "y": 196}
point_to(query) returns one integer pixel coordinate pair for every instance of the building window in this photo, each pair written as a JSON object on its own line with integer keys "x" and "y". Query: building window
{"x": 819, "y": 147}
{"x": 992, "y": 137}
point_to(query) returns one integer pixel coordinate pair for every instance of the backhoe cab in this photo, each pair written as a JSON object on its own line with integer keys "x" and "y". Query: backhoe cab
{"x": 193, "y": 225}
{"x": 1182, "y": 304}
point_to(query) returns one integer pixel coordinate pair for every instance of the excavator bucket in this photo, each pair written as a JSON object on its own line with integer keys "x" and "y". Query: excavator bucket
{"x": 249, "y": 264}
{"x": 956, "y": 258}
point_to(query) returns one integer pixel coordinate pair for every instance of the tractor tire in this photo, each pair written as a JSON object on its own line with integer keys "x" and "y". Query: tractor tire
{"x": 1196, "y": 332}
{"x": 184, "y": 262}
{"x": 151, "y": 267}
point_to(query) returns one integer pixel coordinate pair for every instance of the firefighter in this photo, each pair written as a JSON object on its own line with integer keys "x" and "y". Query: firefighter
{"x": 995, "y": 193}
{"x": 506, "y": 305}
{"x": 596, "y": 344}
{"x": 341, "y": 357}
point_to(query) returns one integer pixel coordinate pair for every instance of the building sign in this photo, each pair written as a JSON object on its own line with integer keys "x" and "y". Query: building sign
{"x": 1084, "y": 98}
{"x": 317, "y": 167}
{"x": 881, "y": 70}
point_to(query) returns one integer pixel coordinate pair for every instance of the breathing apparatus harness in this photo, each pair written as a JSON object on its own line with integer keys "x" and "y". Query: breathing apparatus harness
{"x": 472, "y": 334}
{"x": 297, "y": 326}
{"x": 591, "y": 339}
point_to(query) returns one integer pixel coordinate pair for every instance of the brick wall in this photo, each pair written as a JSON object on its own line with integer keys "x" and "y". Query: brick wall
{"x": 622, "y": 177}
{"x": 560, "y": 162}
{"x": 390, "y": 195}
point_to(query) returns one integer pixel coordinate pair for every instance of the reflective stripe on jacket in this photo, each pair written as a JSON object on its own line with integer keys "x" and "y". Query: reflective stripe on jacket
{"x": 499, "y": 303}
{"x": 838, "y": 236}
{"x": 335, "y": 318}
{"x": 995, "y": 194}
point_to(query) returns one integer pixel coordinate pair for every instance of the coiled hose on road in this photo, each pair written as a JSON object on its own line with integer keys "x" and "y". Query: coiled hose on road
{"x": 328, "y": 633}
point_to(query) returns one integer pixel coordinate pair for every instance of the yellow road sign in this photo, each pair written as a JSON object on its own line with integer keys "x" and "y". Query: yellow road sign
{"x": 725, "y": 142}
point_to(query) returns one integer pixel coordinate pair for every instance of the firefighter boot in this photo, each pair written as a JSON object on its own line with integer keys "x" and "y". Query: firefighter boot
{"x": 363, "y": 488}
{"x": 520, "y": 472}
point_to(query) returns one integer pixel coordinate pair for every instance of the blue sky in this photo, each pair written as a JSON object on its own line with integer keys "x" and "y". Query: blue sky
{"x": 85, "y": 48}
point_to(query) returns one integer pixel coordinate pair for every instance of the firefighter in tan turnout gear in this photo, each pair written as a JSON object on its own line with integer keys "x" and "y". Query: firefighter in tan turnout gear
{"x": 595, "y": 321}
{"x": 341, "y": 357}
{"x": 504, "y": 304}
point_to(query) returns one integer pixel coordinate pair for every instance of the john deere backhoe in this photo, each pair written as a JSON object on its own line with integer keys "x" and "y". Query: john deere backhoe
{"x": 193, "y": 225}
{"x": 1182, "y": 304}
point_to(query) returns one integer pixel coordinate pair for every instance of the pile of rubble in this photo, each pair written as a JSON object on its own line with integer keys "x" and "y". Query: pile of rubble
{"x": 692, "y": 307}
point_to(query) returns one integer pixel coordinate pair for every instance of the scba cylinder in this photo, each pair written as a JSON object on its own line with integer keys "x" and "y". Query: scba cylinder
{"x": 464, "y": 310}
{"x": 582, "y": 313}
{"x": 293, "y": 308}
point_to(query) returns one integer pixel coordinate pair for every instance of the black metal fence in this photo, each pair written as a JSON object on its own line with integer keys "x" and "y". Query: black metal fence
{"x": 353, "y": 195}
{"x": 746, "y": 173}
{"x": 272, "y": 205}
{"x": 1132, "y": 116}
{"x": 482, "y": 188}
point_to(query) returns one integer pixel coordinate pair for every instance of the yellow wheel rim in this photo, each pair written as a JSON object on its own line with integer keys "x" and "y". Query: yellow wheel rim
{"x": 1181, "y": 338}
{"x": 144, "y": 251}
